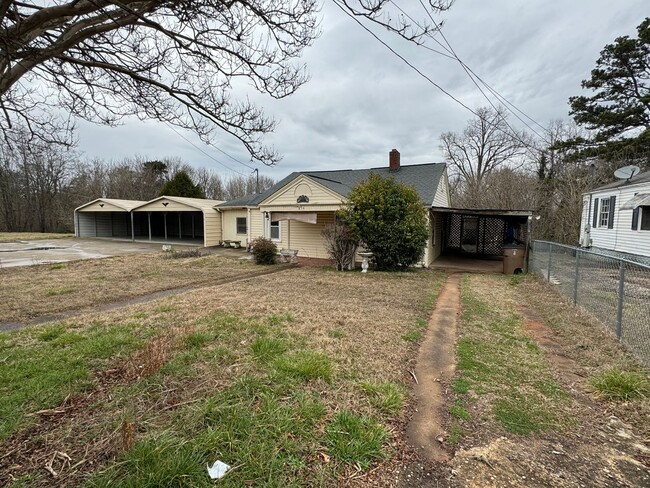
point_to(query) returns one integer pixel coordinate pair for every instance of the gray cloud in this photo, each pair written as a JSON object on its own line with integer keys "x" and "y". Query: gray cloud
{"x": 362, "y": 101}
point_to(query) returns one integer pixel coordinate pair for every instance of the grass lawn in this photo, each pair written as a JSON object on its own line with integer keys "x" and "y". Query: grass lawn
{"x": 31, "y": 291}
{"x": 503, "y": 377}
{"x": 294, "y": 379}
{"x": 30, "y": 236}
{"x": 543, "y": 394}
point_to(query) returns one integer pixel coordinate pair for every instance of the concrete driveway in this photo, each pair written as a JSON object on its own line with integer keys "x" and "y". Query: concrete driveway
{"x": 27, "y": 253}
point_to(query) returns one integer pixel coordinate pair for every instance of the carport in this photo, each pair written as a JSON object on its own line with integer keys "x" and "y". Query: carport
{"x": 105, "y": 217}
{"x": 178, "y": 220}
{"x": 470, "y": 234}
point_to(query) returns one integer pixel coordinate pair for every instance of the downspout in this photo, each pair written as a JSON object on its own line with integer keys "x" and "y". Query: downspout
{"x": 590, "y": 220}
{"x": 221, "y": 216}
{"x": 248, "y": 227}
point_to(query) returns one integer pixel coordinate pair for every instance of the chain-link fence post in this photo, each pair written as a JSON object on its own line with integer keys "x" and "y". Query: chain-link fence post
{"x": 621, "y": 295}
{"x": 548, "y": 270}
{"x": 577, "y": 278}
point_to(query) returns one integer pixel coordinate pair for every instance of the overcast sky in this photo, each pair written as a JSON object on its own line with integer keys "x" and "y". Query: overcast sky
{"x": 363, "y": 101}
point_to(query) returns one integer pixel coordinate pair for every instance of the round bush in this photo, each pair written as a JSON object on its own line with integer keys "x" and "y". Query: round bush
{"x": 264, "y": 251}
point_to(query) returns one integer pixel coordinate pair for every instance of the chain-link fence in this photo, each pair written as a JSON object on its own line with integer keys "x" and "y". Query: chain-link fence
{"x": 615, "y": 290}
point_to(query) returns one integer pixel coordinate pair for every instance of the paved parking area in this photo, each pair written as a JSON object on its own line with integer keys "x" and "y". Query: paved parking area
{"x": 27, "y": 253}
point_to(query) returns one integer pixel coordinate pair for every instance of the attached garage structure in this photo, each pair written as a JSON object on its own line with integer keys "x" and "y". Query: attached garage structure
{"x": 105, "y": 217}
{"x": 178, "y": 219}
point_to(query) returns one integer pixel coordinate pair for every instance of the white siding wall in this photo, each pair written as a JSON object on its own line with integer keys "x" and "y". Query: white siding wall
{"x": 621, "y": 237}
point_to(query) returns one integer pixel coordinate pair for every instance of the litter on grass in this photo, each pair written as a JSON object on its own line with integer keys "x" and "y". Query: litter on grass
{"x": 218, "y": 470}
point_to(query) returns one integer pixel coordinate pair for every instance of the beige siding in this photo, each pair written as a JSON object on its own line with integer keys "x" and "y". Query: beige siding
{"x": 300, "y": 208}
{"x": 428, "y": 250}
{"x": 437, "y": 237}
{"x": 317, "y": 193}
{"x": 441, "y": 198}
{"x": 101, "y": 207}
{"x": 172, "y": 206}
{"x": 230, "y": 225}
{"x": 256, "y": 223}
{"x": 307, "y": 238}
{"x": 211, "y": 228}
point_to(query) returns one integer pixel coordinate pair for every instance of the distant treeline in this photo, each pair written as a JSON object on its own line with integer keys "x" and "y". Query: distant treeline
{"x": 41, "y": 184}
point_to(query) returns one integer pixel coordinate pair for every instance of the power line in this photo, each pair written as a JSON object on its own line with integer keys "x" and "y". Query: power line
{"x": 452, "y": 55}
{"x": 427, "y": 78}
{"x": 207, "y": 154}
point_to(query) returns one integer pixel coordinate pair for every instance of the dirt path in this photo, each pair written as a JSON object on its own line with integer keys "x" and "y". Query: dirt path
{"x": 107, "y": 307}
{"x": 434, "y": 370}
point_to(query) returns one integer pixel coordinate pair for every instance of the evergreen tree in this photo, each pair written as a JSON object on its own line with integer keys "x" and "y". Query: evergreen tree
{"x": 181, "y": 185}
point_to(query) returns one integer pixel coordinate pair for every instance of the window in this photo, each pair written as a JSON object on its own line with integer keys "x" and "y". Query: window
{"x": 604, "y": 213}
{"x": 275, "y": 231}
{"x": 645, "y": 217}
{"x": 241, "y": 225}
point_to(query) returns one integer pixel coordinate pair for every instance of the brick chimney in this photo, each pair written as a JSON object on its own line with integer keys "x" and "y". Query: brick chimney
{"x": 393, "y": 160}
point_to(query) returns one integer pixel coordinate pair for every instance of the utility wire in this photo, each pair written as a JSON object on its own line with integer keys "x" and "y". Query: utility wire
{"x": 427, "y": 78}
{"x": 496, "y": 110}
{"x": 471, "y": 74}
{"x": 204, "y": 152}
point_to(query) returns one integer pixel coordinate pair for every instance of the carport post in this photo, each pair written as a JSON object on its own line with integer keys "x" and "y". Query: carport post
{"x": 149, "y": 221}
{"x": 192, "y": 225}
{"x": 132, "y": 228}
{"x": 180, "y": 232}
{"x": 165, "y": 218}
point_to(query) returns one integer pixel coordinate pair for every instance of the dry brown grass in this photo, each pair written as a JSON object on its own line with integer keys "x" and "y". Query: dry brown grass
{"x": 30, "y": 236}
{"x": 586, "y": 340}
{"x": 356, "y": 320}
{"x": 369, "y": 312}
{"x": 38, "y": 290}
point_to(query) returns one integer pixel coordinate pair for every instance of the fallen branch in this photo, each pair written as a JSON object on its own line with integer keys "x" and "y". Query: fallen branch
{"x": 48, "y": 467}
{"x": 50, "y": 411}
{"x": 414, "y": 377}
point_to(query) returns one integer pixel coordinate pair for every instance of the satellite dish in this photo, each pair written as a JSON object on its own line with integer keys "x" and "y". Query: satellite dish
{"x": 627, "y": 172}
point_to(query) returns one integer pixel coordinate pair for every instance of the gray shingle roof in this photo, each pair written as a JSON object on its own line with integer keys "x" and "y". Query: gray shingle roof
{"x": 640, "y": 178}
{"x": 424, "y": 177}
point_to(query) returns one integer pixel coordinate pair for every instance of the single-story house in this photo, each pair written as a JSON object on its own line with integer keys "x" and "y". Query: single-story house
{"x": 163, "y": 219}
{"x": 294, "y": 212}
{"x": 616, "y": 216}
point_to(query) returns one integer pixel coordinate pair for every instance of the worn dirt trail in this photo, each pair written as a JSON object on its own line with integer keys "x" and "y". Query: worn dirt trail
{"x": 434, "y": 370}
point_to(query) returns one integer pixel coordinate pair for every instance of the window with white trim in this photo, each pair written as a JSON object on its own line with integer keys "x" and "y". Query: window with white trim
{"x": 645, "y": 218}
{"x": 604, "y": 213}
{"x": 241, "y": 225}
{"x": 276, "y": 233}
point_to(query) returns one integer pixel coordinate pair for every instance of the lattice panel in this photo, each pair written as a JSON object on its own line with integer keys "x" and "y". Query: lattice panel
{"x": 480, "y": 235}
{"x": 494, "y": 232}
{"x": 452, "y": 231}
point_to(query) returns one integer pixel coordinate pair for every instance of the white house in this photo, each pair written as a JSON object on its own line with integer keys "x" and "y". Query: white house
{"x": 616, "y": 216}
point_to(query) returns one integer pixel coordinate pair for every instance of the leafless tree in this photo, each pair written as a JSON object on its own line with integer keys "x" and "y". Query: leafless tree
{"x": 341, "y": 244}
{"x": 486, "y": 144}
{"x": 176, "y": 62}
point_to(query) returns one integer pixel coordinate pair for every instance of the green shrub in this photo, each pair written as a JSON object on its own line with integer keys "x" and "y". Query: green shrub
{"x": 390, "y": 221}
{"x": 264, "y": 251}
